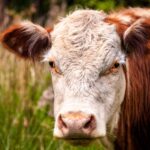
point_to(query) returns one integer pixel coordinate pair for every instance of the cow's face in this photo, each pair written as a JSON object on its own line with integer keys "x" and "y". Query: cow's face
{"x": 88, "y": 80}
{"x": 86, "y": 64}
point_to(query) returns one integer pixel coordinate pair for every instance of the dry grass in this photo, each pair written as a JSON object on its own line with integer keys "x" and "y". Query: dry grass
{"x": 19, "y": 74}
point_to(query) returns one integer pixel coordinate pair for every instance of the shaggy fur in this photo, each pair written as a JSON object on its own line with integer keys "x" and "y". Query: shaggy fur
{"x": 134, "y": 124}
{"x": 26, "y": 40}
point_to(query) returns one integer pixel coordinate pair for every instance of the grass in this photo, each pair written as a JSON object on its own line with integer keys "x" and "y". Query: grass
{"x": 23, "y": 125}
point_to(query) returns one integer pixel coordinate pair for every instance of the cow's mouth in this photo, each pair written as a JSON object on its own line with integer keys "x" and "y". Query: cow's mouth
{"x": 80, "y": 141}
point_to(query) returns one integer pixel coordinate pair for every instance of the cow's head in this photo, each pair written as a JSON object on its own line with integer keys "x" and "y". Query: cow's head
{"x": 86, "y": 62}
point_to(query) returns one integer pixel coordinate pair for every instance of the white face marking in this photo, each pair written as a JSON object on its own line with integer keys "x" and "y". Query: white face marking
{"x": 84, "y": 49}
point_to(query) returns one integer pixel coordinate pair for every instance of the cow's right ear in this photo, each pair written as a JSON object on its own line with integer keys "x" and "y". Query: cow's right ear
{"x": 27, "y": 40}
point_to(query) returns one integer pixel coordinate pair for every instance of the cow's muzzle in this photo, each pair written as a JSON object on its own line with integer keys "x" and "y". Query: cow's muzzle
{"x": 76, "y": 125}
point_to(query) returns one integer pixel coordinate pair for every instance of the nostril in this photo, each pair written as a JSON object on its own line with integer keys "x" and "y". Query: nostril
{"x": 61, "y": 122}
{"x": 87, "y": 124}
{"x": 90, "y": 123}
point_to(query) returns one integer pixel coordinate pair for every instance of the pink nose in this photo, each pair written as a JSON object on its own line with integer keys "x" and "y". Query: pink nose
{"x": 76, "y": 124}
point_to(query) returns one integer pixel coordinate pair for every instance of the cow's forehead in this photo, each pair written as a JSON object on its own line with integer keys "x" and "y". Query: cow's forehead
{"x": 83, "y": 25}
{"x": 84, "y": 36}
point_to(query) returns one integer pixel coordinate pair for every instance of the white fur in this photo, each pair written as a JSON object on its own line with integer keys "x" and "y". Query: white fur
{"x": 84, "y": 48}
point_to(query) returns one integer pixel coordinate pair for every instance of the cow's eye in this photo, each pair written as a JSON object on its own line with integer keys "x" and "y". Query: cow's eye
{"x": 54, "y": 67}
{"x": 51, "y": 64}
{"x": 113, "y": 69}
{"x": 116, "y": 65}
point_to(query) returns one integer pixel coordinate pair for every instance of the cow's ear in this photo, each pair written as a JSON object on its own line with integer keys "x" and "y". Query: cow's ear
{"x": 137, "y": 37}
{"x": 27, "y": 40}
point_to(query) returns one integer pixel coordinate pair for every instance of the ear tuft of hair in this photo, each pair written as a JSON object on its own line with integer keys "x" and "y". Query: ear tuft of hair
{"x": 27, "y": 40}
{"x": 137, "y": 37}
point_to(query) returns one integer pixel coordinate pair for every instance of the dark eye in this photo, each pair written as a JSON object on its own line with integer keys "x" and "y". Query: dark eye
{"x": 52, "y": 64}
{"x": 116, "y": 65}
{"x": 113, "y": 69}
{"x": 54, "y": 68}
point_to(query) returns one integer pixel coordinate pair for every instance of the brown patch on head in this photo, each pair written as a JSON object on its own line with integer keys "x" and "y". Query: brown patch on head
{"x": 120, "y": 27}
{"x": 119, "y": 19}
{"x": 132, "y": 15}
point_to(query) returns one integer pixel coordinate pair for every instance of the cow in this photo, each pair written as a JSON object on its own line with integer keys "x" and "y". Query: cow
{"x": 100, "y": 67}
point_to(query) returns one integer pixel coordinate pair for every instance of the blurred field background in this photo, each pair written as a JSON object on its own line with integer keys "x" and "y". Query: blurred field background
{"x": 26, "y": 123}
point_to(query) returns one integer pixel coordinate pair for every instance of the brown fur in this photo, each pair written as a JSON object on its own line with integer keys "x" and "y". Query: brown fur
{"x": 18, "y": 37}
{"x": 134, "y": 124}
{"x": 120, "y": 27}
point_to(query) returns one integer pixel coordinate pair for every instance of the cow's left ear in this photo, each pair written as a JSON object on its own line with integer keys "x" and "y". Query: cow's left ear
{"x": 27, "y": 40}
{"x": 137, "y": 37}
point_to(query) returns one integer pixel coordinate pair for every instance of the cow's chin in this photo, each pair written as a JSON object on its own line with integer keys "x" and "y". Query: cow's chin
{"x": 80, "y": 142}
